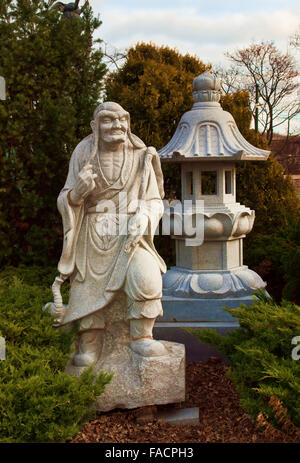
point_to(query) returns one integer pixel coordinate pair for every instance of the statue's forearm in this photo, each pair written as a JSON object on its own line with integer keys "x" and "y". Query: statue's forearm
{"x": 71, "y": 201}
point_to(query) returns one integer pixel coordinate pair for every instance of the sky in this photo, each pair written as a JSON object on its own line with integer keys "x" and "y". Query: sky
{"x": 204, "y": 28}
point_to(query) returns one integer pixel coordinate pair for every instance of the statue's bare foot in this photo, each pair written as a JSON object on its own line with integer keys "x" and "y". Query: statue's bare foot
{"x": 148, "y": 347}
{"x": 88, "y": 348}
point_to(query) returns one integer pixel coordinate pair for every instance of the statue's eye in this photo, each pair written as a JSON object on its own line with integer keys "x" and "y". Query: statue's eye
{"x": 106, "y": 120}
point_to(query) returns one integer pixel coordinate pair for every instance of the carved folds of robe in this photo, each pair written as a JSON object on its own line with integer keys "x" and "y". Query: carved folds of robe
{"x": 93, "y": 251}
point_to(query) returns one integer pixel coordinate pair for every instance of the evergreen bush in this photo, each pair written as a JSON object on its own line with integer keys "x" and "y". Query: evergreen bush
{"x": 276, "y": 257}
{"x": 38, "y": 401}
{"x": 54, "y": 80}
{"x": 260, "y": 352}
{"x": 263, "y": 187}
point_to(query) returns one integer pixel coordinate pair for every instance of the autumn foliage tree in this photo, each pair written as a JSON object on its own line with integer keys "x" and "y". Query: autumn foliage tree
{"x": 155, "y": 86}
{"x": 53, "y": 78}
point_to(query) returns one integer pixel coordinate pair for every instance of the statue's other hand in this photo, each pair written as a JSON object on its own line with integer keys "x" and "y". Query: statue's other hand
{"x": 137, "y": 227}
{"x": 84, "y": 185}
{"x": 137, "y": 224}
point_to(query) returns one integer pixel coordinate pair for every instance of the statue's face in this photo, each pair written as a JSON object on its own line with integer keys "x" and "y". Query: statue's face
{"x": 113, "y": 126}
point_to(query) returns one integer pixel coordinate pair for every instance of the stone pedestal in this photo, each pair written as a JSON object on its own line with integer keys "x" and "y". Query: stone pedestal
{"x": 138, "y": 381}
{"x": 196, "y": 297}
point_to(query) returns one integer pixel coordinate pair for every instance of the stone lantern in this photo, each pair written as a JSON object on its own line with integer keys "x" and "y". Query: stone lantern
{"x": 208, "y": 144}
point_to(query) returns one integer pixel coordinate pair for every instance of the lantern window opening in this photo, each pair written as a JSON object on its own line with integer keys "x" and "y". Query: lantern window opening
{"x": 228, "y": 182}
{"x": 209, "y": 182}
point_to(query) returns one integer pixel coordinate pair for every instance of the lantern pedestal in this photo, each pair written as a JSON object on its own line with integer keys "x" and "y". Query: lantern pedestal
{"x": 195, "y": 297}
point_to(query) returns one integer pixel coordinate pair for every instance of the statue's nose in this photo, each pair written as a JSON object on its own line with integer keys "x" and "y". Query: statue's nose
{"x": 116, "y": 123}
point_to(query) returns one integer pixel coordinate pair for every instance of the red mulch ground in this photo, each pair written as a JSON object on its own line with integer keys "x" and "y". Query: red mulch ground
{"x": 221, "y": 417}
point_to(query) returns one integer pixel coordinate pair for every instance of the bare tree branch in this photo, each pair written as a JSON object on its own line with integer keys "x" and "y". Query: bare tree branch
{"x": 113, "y": 57}
{"x": 262, "y": 69}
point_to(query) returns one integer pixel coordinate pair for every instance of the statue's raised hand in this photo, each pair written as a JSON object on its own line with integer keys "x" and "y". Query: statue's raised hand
{"x": 84, "y": 184}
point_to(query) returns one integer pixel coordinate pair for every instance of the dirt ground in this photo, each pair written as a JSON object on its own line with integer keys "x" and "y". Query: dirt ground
{"x": 221, "y": 417}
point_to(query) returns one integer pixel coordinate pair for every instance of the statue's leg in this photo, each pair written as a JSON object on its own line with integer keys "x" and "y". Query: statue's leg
{"x": 141, "y": 340}
{"x": 90, "y": 340}
{"x": 143, "y": 287}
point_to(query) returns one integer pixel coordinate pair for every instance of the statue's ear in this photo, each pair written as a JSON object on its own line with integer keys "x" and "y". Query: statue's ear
{"x": 93, "y": 125}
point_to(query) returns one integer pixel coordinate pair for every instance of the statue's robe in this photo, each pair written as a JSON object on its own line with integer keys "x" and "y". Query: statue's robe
{"x": 95, "y": 261}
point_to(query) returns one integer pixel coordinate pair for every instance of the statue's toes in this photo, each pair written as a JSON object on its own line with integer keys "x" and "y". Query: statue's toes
{"x": 84, "y": 360}
{"x": 148, "y": 347}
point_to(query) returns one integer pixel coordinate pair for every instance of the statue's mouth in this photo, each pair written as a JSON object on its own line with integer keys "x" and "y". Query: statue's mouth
{"x": 118, "y": 132}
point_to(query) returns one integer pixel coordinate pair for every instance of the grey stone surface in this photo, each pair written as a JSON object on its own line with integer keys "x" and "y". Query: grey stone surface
{"x": 180, "y": 417}
{"x": 193, "y": 309}
{"x": 138, "y": 381}
{"x": 2, "y": 88}
{"x": 217, "y": 284}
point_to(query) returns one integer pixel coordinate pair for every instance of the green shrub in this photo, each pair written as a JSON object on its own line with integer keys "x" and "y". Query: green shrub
{"x": 38, "y": 401}
{"x": 276, "y": 257}
{"x": 263, "y": 187}
{"x": 260, "y": 353}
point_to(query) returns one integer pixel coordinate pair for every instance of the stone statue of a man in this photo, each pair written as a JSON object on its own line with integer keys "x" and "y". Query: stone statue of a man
{"x": 111, "y": 205}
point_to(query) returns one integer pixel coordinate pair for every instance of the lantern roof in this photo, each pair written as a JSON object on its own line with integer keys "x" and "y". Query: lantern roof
{"x": 207, "y": 132}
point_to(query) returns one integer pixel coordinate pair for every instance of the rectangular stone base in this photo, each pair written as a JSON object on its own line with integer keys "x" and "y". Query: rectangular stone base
{"x": 202, "y": 312}
{"x": 180, "y": 417}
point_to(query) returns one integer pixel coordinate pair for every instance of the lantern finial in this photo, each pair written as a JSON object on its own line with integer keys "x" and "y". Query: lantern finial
{"x": 206, "y": 88}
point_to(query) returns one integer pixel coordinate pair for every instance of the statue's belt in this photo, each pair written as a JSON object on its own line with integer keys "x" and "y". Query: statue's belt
{"x": 100, "y": 209}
